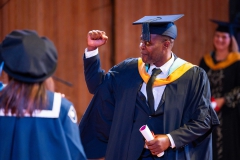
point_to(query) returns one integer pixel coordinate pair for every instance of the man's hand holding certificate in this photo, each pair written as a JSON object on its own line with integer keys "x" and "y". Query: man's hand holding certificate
{"x": 155, "y": 143}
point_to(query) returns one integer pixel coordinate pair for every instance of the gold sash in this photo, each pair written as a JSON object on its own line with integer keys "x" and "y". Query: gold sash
{"x": 178, "y": 68}
{"x": 231, "y": 58}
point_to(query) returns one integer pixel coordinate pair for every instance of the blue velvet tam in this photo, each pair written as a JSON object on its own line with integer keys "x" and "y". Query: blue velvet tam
{"x": 27, "y": 57}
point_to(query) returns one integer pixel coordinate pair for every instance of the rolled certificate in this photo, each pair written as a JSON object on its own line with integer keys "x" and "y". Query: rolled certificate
{"x": 148, "y": 136}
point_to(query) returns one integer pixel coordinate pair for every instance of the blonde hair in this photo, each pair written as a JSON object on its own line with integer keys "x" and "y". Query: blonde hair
{"x": 234, "y": 45}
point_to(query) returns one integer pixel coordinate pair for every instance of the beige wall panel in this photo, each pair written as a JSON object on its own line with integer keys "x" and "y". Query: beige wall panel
{"x": 67, "y": 22}
{"x": 194, "y": 29}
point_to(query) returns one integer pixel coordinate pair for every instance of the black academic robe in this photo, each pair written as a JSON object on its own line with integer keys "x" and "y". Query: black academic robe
{"x": 107, "y": 125}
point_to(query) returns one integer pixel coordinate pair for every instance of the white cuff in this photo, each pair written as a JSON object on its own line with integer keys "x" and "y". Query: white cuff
{"x": 171, "y": 141}
{"x": 89, "y": 54}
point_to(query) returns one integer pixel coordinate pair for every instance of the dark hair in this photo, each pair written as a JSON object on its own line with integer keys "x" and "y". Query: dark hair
{"x": 19, "y": 98}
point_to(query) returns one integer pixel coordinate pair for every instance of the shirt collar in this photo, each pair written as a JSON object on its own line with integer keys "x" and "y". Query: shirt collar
{"x": 164, "y": 68}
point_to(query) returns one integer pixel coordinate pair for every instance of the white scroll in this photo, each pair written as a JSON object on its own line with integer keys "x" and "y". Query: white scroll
{"x": 148, "y": 136}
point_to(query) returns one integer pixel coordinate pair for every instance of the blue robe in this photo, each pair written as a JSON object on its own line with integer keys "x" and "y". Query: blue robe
{"x": 109, "y": 127}
{"x": 49, "y": 135}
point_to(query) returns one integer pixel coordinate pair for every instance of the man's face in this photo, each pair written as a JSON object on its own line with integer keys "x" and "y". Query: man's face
{"x": 152, "y": 52}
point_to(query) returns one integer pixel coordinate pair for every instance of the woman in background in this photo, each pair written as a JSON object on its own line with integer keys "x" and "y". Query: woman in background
{"x": 223, "y": 68}
{"x": 35, "y": 123}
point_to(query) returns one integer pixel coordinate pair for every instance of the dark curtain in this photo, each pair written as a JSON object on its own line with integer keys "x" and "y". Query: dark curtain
{"x": 234, "y": 16}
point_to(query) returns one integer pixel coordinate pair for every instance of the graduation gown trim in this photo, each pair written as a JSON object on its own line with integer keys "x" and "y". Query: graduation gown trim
{"x": 178, "y": 68}
{"x": 231, "y": 58}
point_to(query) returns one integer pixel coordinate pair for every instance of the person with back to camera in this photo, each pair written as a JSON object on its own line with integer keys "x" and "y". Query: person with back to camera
{"x": 35, "y": 123}
{"x": 177, "y": 108}
{"x": 223, "y": 69}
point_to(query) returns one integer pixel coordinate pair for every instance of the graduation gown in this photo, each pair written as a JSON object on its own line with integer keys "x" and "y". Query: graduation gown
{"x": 109, "y": 126}
{"x": 48, "y": 135}
{"x": 224, "y": 77}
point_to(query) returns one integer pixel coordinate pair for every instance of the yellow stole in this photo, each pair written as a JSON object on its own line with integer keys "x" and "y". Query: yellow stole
{"x": 231, "y": 58}
{"x": 178, "y": 68}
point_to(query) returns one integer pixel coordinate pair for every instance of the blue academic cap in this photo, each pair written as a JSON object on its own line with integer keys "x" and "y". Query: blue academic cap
{"x": 227, "y": 27}
{"x": 160, "y": 24}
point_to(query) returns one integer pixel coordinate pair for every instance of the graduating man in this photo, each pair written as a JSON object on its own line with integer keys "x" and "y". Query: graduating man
{"x": 159, "y": 89}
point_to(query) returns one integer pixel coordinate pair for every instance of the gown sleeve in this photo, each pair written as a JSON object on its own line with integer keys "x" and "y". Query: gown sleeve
{"x": 232, "y": 98}
{"x": 70, "y": 127}
{"x": 202, "y": 118}
{"x": 96, "y": 122}
{"x": 94, "y": 75}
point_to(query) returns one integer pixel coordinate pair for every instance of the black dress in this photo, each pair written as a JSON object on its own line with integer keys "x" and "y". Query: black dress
{"x": 224, "y": 80}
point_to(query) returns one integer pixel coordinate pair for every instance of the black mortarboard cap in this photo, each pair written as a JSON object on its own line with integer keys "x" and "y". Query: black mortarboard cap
{"x": 225, "y": 26}
{"x": 161, "y": 24}
{"x": 28, "y": 57}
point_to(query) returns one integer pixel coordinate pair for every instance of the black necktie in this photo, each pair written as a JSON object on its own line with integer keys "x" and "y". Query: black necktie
{"x": 155, "y": 72}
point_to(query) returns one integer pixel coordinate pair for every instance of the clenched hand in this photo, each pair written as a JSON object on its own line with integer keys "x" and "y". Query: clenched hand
{"x": 95, "y": 39}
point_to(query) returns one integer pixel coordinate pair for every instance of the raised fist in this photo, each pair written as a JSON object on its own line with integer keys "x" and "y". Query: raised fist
{"x": 96, "y": 38}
